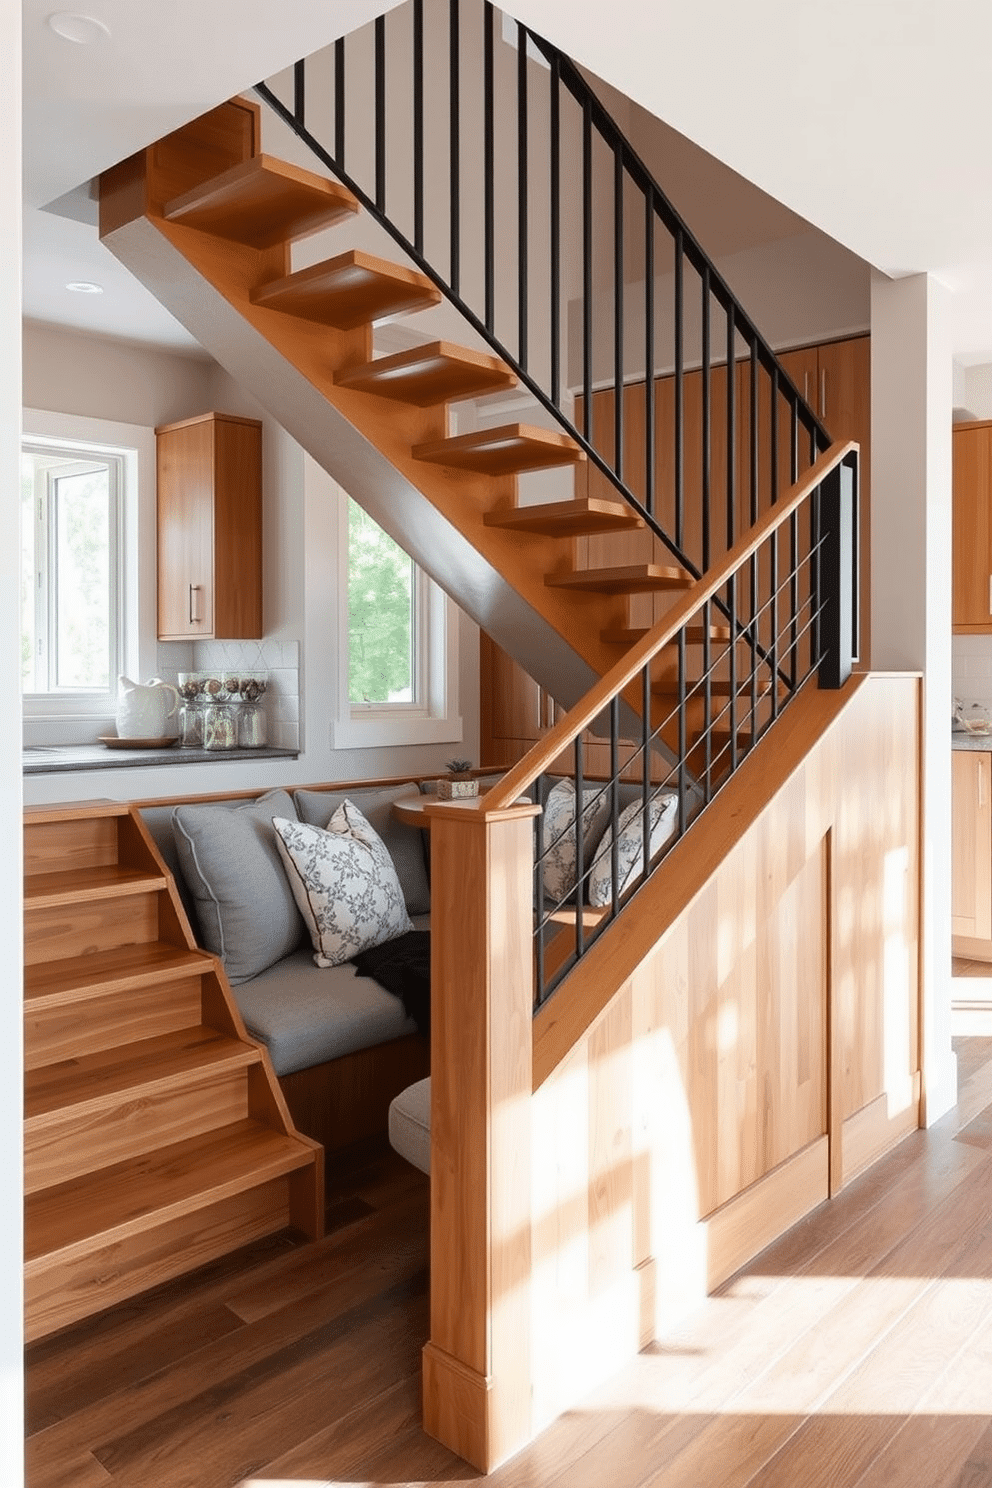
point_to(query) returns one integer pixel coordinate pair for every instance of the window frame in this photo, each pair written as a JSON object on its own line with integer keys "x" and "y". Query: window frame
{"x": 432, "y": 716}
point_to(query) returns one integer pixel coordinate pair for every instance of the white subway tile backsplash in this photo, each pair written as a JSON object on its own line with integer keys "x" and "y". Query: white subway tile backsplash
{"x": 971, "y": 668}
{"x": 280, "y": 659}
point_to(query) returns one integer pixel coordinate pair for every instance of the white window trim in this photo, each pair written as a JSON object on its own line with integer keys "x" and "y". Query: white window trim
{"x": 52, "y": 717}
{"x": 436, "y": 719}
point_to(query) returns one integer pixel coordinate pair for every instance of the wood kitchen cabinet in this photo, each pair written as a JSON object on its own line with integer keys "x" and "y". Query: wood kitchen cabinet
{"x": 210, "y": 528}
{"x": 514, "y": 710}
{"x": 971, "y": 853}
{"x": 971, "y": 603}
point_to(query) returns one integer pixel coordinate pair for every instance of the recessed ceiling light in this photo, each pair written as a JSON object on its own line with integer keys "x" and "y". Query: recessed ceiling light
{"x": 84, "y": 286}
{"x": 80, "y": 28}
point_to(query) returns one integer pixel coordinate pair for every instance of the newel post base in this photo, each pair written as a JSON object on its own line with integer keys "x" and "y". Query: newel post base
{"x": 476, "y": 1367}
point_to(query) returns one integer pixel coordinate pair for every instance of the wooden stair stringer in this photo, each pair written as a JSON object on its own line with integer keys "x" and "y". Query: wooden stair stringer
{"x": 365, "y": 442}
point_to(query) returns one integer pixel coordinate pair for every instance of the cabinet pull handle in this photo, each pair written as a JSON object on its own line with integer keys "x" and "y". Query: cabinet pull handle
{"x": 195, "y": 589}
{"x": 990, "y": 594}
{"x": 823, "y": 392}
{"x": 805, "y": 387}
{"x": 981, "y": 783}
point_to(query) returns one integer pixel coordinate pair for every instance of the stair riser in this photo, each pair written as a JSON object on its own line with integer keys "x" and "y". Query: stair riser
{"x": 70, "y": 1031}
{"x": 57, "y": 1294}
{"x": 54, "y": 934}
{"x": 66, "y": 1144}
{"x": 54, "y": 847}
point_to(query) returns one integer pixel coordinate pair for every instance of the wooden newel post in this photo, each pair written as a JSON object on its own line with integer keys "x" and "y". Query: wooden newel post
{"x": 477, "y": 1380}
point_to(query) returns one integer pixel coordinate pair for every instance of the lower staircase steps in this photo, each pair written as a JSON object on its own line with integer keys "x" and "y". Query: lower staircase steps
{"x": 262, "y": 202}
{"x": 511, "y": 449}
{"x": 695, "y": 635}
{"x": 352, "y": 289}
{"x": 155, "y": 1134}
{"x": 628, "y": 579}
{"x": 583, "y": 516}
{"x": 439, "y": 372}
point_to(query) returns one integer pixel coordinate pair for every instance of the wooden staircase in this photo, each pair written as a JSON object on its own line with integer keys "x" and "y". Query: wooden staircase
{"x": 229, "y": 215}
{"x": 156, "y": 1137}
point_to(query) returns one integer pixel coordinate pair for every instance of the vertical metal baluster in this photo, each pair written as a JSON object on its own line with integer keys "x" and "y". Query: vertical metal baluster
{"x": 707, "y": 443}
{"x": 587, "y": 268}
{"x": 794, "y": 547}
{"x": 649, "y": 400}
{"x": 707, "y": 703}
{"x": 618, "y": 312}
{"x": 683, "y": 740}
{"x": 522, "y": 196}
{"x": 754, "y": 474}
{"x": 380, "y": 113}
{"x": 615, "y": 802}
{"x": 539, "y": 890}
{"x": 732, "y": 708}
{"x": 418, "y": 125}
{"x": 679, "y": 395}
{"x": 647, "y": 735}
{"x": 299, "y": 93}
{"x": 555, "y": 231}
{"x": 580, "y": 887}
{"x": 731, "y": 433}
{"x": 454, "y": 125}
{"x": 774, "y": 541}
{"x": 339, "y": 102}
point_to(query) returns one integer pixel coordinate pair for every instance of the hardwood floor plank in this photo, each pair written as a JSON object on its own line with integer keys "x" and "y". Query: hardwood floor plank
{"x": 82, "y": 1471}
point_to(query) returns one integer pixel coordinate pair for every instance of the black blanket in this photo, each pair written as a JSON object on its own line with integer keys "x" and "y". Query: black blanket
{"x": 403, "y": 967}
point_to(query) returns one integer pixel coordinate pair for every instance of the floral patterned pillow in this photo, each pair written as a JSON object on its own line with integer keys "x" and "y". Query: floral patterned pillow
{"x": 344, "y": 882}
{"x": 662, "y": 815}
{"x": 560, "y": 854}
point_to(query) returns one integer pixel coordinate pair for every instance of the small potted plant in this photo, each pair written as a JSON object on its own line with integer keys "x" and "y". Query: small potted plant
{"x": 458, "y": 783}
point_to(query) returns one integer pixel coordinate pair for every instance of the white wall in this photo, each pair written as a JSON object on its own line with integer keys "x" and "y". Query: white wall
{"x": 978, "y": 391}
{"x": 11, "y": 1016}
{"x": 85, "y": 375}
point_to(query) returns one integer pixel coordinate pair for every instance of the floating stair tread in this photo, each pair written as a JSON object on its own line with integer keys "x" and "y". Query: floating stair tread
{"x": 591, "y": 916}
{"x": 74, "y": 811}
{"x": 73, "y": 1219}
{"x": 353, "y": 289}
{"x": 261, "y": 202}
{"x": 622, "y": 635}
{"x": 125, "y": 968}
{"x": 634, "y": 578}
{"x": 508, "y": 450}
{"x": 108, "y": 881}
{"x": 719, "y": 688}
{"x": 576, "y": 518}
{"x": 144, "y": 1066}
{"x": 426, "y": 375}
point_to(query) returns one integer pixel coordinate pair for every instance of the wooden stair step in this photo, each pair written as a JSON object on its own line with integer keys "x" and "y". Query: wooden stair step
{"x": 568, "y": 915}
{"x": 99, "y": 1080}
{"x": 626, "y": 635}
{"x": 632, "y": 579}
{"x": 122, "y": 969}
{"x": 262, "y": 202}
{"x": 70, "y": 1220}
{"x": 438, "y": 373}
{"x": 576, "y": 518}
{"x": 508, "y": 450}
{"x": 108, "y": 881}
{"x": 353, "y": 289}
{"x": 67, "y": 811}
{"x": 719, "y": 688}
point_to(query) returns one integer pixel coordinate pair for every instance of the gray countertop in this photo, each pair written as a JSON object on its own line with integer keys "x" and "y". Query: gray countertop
{"x": 56, "y": 759}
{"x": 960, "y": 739}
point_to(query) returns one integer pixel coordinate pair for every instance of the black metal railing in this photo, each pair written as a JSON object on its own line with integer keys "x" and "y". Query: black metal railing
{"x": 487, "y": 156}
{"x": 682, "y": 713}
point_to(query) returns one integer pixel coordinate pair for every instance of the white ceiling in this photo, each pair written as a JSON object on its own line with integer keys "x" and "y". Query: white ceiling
{"x": 869, "y": 118}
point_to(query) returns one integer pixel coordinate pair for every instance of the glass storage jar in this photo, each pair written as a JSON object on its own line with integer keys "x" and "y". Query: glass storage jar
{"x": 220, "y": 728}
{"x": 252, "y": 732}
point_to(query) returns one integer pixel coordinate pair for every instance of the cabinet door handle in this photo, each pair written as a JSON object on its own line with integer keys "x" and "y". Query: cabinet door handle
{"x": 823, "y": 392}
{"x": 805, "y": 387}
{"x": 195, "y": 589}
{"x": 990, "y": 594}
{"x": 981, "y": 783}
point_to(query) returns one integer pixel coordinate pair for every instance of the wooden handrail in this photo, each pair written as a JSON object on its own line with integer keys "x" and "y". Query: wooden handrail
{"x": 577, "y": 719}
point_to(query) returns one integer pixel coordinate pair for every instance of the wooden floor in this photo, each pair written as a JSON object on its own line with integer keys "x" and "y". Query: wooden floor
{"x": 857, "y": 1350}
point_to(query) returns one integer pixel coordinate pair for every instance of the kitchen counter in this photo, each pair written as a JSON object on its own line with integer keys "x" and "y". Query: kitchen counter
{"x": 960, "y": 739}
{"x": 44, "y": 759}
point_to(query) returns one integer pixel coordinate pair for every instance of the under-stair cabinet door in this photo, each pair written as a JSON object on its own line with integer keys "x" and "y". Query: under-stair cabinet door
{"x": 972, "y": 585}
{"x": 514, "y": 710}
{"x": 971, "y": 845}
{"x": 210, "y": 528}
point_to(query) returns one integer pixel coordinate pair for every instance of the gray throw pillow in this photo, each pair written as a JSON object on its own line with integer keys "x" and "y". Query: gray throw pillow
{"x": 229, "y": 859}
{"x": 404, "y": 844}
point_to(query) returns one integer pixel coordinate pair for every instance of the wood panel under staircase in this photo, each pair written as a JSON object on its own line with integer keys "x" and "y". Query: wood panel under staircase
{"x": 216, "y": 249}
{"x": 156, "y": 1137}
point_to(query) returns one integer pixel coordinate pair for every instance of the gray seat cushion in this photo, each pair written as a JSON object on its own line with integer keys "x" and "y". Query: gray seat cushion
{"x": 410, "y": 1124}
{"x": 404, "y": 844}
{"x": 244, "y": 905}
{"x": 306, "y": 1015}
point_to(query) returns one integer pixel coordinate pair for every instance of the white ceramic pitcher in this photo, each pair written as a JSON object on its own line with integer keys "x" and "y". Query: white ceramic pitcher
{"x": 143, "y": 708}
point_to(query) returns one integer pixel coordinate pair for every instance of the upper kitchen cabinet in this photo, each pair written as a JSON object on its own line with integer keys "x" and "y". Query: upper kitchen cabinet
{"x": 971, "y": 609}
{"x": 210, "y": 528}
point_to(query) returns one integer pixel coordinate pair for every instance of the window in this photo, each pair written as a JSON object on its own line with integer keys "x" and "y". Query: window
{"x": 400, "y": 644}
{"x": 70, "y": 574}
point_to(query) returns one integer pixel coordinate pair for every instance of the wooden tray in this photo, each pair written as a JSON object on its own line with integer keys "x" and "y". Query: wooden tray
{"x": 112, "y": 741}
